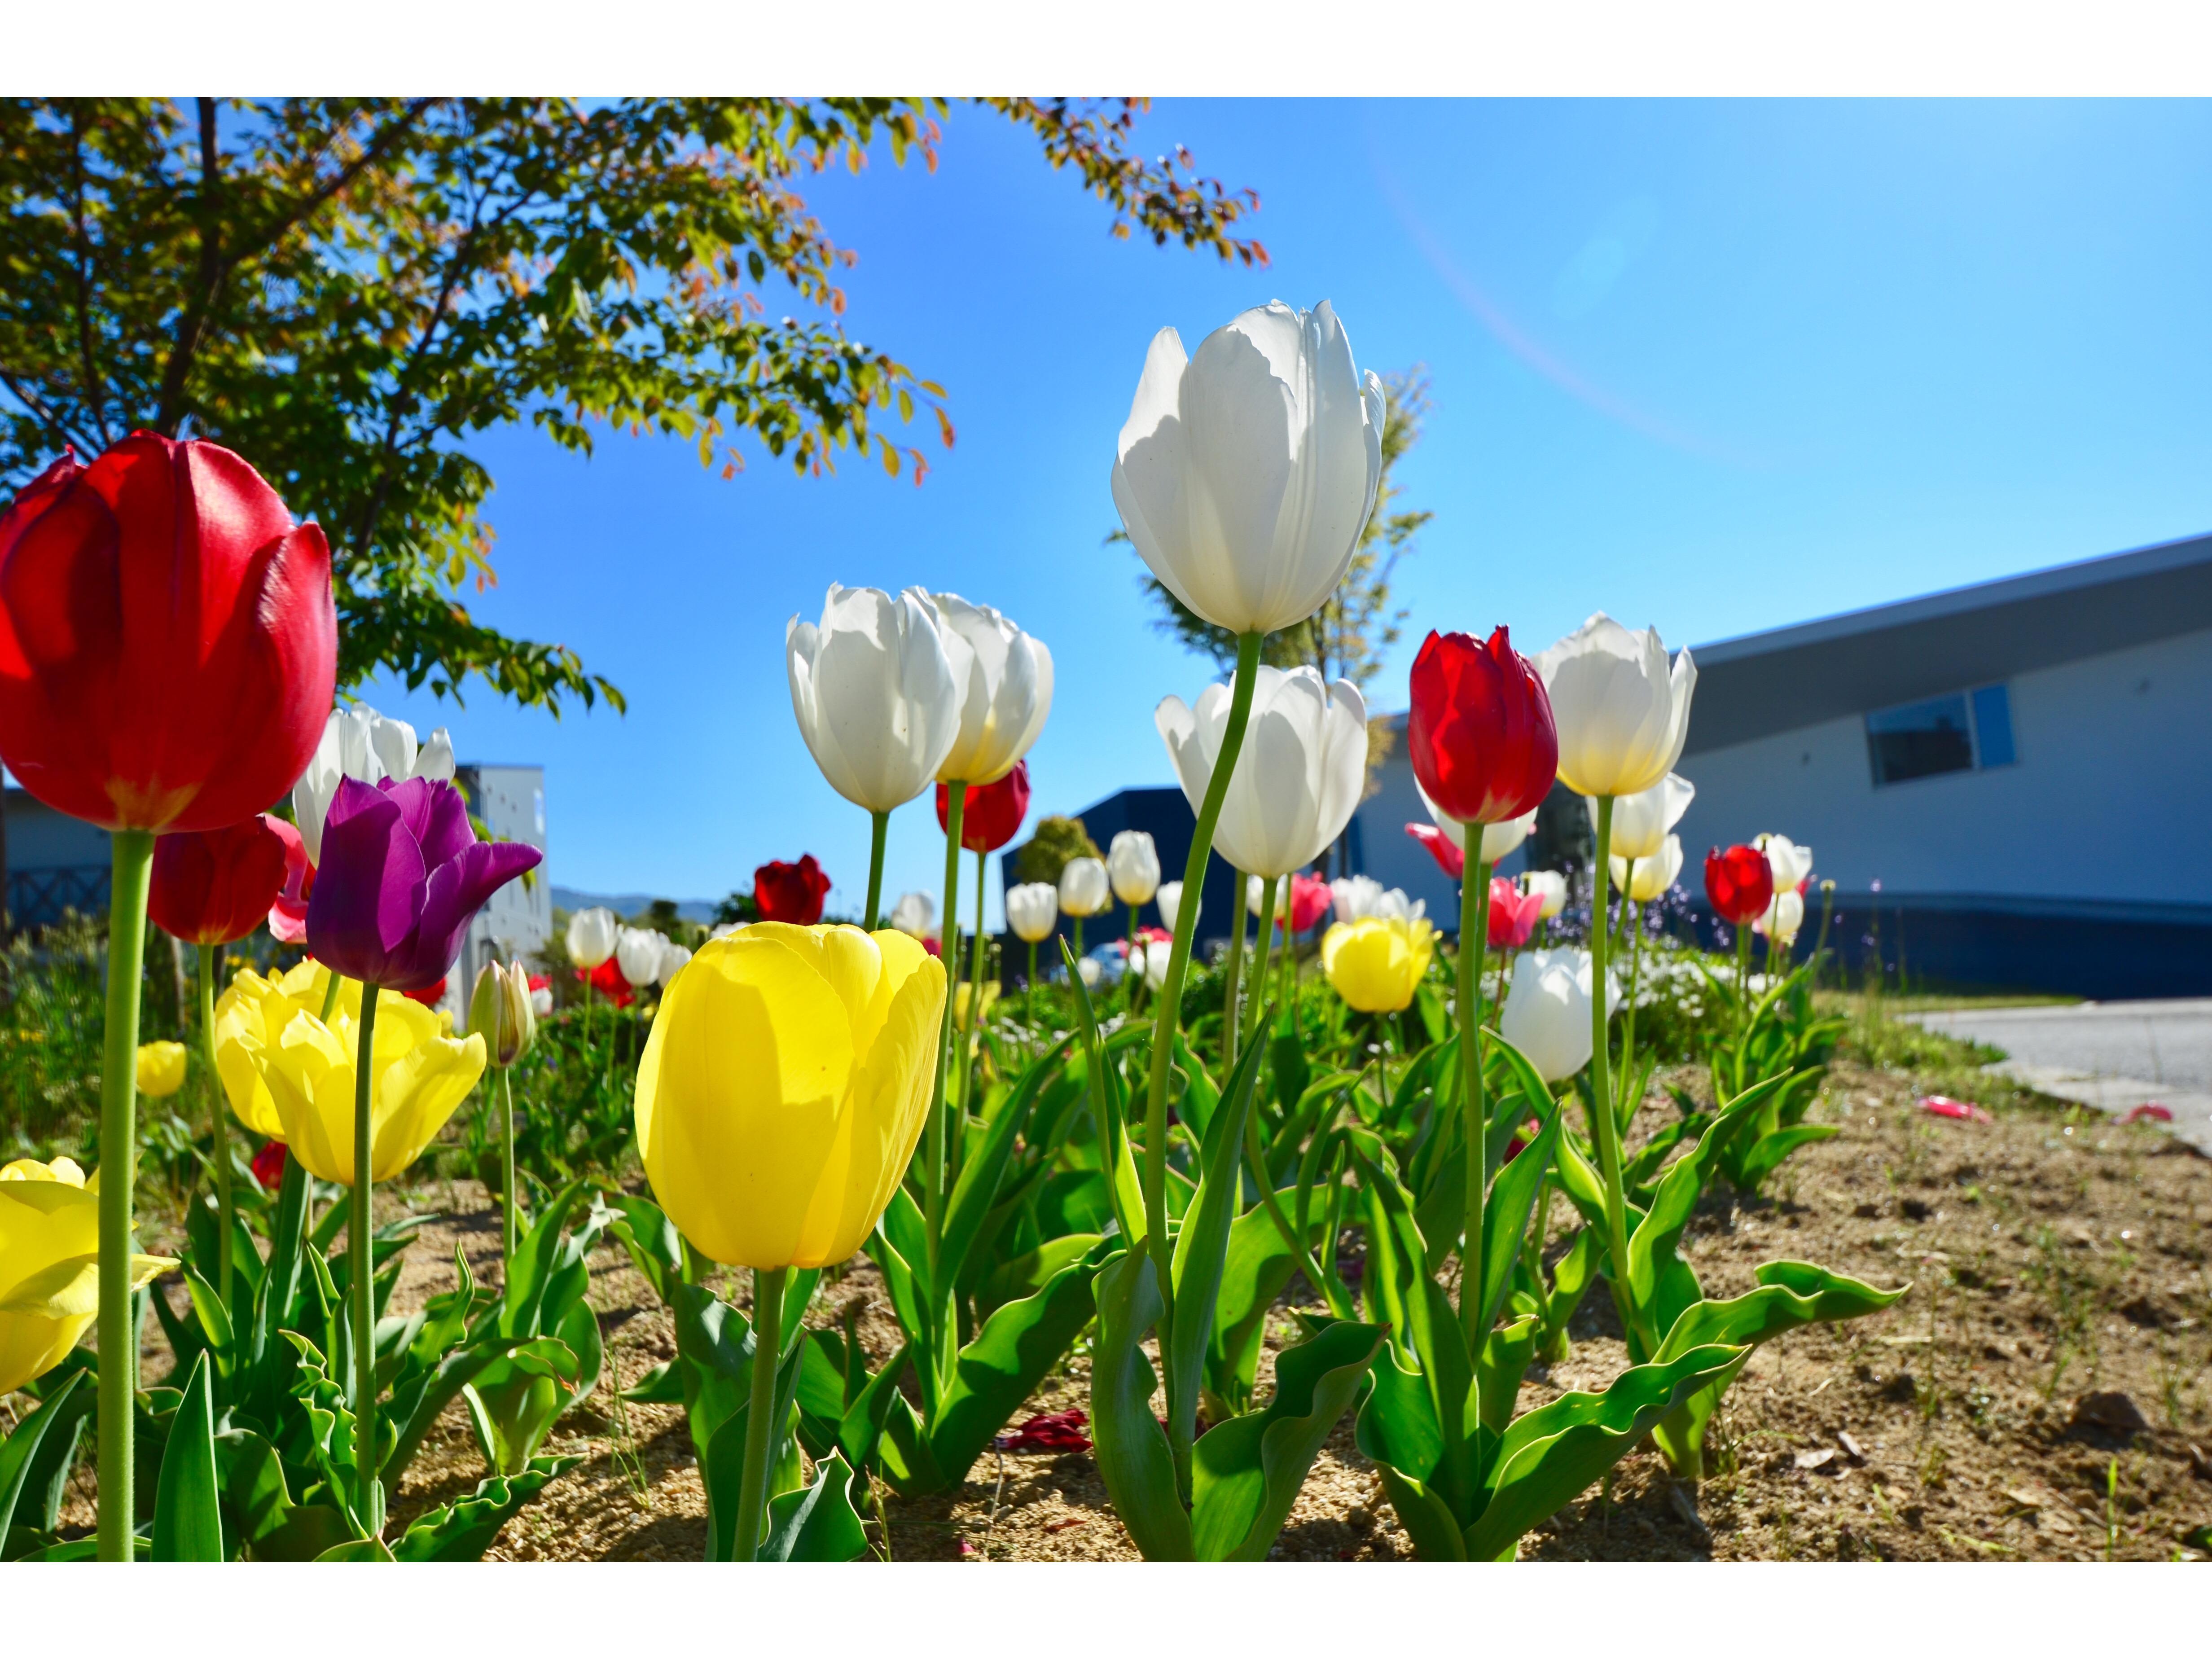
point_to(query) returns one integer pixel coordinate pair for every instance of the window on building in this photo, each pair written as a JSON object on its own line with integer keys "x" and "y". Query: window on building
{"x": 1957, "y": 732}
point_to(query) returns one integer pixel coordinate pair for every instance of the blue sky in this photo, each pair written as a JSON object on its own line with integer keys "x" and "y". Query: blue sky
{"x": 1716, "y": 366}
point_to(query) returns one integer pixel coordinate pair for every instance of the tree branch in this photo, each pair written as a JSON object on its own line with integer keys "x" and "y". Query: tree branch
{"x": 93, "y": 400}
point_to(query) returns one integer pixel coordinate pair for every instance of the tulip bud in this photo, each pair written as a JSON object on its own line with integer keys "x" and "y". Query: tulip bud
{"x": 1134, "y": 865}
{"x": 502, "y": 1009}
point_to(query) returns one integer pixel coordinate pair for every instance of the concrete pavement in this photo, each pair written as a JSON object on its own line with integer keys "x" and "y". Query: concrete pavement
{"x": 2112, "y": 1055}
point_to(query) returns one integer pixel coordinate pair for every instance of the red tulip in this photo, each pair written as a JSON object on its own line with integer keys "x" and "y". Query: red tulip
{"x": 287, "y": 911}
{"x": 1309, "y": 902}
{"x": 1440, "y": 849}
{"x": 994, "y": 811}
{"x": 1513, "y": 914}
{"x": 607, "y": 979}
{"x": 1740, "y": 884}
{"x": 168, "y": 643}
{"x": 1481, "y": 731}
{"x": 215, "y": 886}
{"x": 269, "y": 1165}
{"x": 791, "y": 892}
{"x": 429, "y": 995}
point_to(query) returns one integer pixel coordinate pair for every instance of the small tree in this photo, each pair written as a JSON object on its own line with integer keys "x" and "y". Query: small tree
{"x": 1054, "y": 843}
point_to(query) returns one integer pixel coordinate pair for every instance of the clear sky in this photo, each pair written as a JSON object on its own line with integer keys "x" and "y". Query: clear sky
{"x": 1716, "y": 366}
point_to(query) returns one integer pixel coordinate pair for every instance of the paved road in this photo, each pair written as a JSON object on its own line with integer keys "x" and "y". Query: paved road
{"x": 2113, "y": 1056}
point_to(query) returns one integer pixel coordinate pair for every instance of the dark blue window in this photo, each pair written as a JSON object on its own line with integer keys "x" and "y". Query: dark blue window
{"x": 1920, "y": 740}
{"x": 1993, "y": 727}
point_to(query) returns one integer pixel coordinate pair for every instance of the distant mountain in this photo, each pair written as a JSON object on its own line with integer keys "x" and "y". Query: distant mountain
{"x": 629, "y": 904}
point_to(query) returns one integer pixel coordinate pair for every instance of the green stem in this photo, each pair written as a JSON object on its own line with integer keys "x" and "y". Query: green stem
{"x": 1129, "y": 960}
{"x": 760, "y": 1429}
{"x": 360, "y": 1271}
{"x": 507, "y": 1232}
{"x": 1820, "y": 944}
{"x": 219, "y": 1113}
{"x": 1182, "y": 1415}
{"x": 332, "y": 984}
{"x": 1079, "y": 935}
{"x": 1230, "y": 1016}
{"x": 1029, "y": 989}
{"x": 1474, "y": 934}
{"x": 133, "y": 855}
{"x": 1263, "y": 960}
{"x": 1635, "y": 961}
{"x": 587, "y": 1011}
{"x": 880, "y": 826}
{"x": 973, "y": 1023}
{"x": 933, "y": 1172}
{"x": 1743, "y": 974}
{"x": 1605, "y": 1131}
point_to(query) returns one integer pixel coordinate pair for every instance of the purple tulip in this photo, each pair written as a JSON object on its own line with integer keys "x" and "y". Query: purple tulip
{"x": 402, "y": 876}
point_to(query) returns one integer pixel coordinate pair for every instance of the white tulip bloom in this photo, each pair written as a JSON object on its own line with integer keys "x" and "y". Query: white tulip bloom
{"x": 1552, "y": 886}
{"x": 876, "y": 687}
{"x": 1355, "y": 898}
{"x": 1150, "y": 961}
{"x": 1621, "y": 712}
{"x": 1255, "y": 894}
{"x": 673, "y": 958}
{"x": 1790, "y": 863}
{"x": 724, "y": 929}
{"x": 541, "y": 1001}
{"x": 1005, "y": 692}
{"x": 1084, "y": 890}
{"x": 1033, "y": 910}
{"x": 361, "y": 744}
{"x": 1783, "y": 918}
{"x": 1653, "y": 876}
{"x": 1498, "y": 839}
{"x": 915, "y": 914}
{"x": 1547, "y": 1012}
{"x": 1133, "y": 863}
{"x": 1089, "y": 969}
{"x": 1641, "y": 821}
{"x": 593, "y": 936}
{"x": 638, "y": 955}
{"x": 1245, "y": 474}
{"x": 1169, "y": 899}
{"x": 1298, "y": 777}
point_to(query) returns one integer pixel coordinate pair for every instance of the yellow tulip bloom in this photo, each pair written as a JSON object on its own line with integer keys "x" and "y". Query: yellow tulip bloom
{"x": 960, "y": 1000}
{"x": 160, "y": 1069}
{"x": 1376, "y": 963}
{"x": 249, "y": 1015}
{"x": 784, "y": 1086}
{"x": 303, "y": 1071}
{"x": 49, "y": 1265}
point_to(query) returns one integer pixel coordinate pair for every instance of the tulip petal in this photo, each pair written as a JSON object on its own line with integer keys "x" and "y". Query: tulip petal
{"x": 371, "y": 887}
{"x": 455, "y": 891}
{"x": 437, "y": 818}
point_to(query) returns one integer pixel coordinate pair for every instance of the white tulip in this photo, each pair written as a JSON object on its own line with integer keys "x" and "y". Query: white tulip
{"x": 724, "y": 929}
{"x": 1089, "y": 968}
{"x": 1169, "y": 899}
{"x": 673, "y": 958}
{"x": 1084, "y": 890}
{"x": 1152, "y": 961}
{"x": 638, "y": 955}
{"x": 1783, "y": 917}
{"x": 1498, "y": 839}
{"x": 1355, "y": 898}
{"x": 1790, "y": 863}
{"x": 877, "y": 689}
{"x": 1547, "y": 1012}
{"x": 1621, "y": 712}
{"x": 1033, "y": 910}
{"x": 1653, "y": 876}
{"x": 361, "y": 744}
{"x": 1133, "y": 865}
{"x": 1641, "y": 821}
{"x": 915, "y": 914}
{"x": 1244, "y": 475}
{"x": 541, "y": 1001}
{"x": 1298, "y": 777}
{"x": 1005, "y": 692}
{"x": 1255, "y": 894}
{"x": 593, "y": 936}
{"x": 1552, "y": 886}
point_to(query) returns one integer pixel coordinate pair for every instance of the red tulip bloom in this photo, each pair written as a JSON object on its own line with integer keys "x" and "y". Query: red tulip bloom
{"x": 1309, "y": 902}
{"x": 1740, "y": 884}
{"x": 1481, "y": 731}
{"x": 429, "y": 995}
{"x": 791, "y": 892}
{"x": 215, "y": 886}
{"x": 1513, "y": 914}
{"x": 269, "y": 1165}
{"x": 607, "y": 979}
{"x": 994, "y": 814}
{"x": 168, "y": 643}
{"x": 1440, "y": 849}
{"x": 287, "y": 911}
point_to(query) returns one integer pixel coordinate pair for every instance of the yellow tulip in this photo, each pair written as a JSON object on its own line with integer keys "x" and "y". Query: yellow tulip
{"x": 160, "y": 1069}
{"x": 784, "y": 1086}
{"x": 1376, "y": 963}
{"x": 49, "y": 1265}
{"x": 285, "y": 1068}
{"x": 961, "y": 999}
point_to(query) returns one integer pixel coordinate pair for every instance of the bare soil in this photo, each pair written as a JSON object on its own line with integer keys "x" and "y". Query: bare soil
{"x": 2041, "y": 1393}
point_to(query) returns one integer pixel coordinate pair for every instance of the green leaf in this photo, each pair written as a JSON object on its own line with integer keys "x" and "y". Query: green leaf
{"x": 1246, "y": 1472}
{"x": 463, "y": 1531}
{"x": 977, "y": 1188}
{"x": 537, "y": 1258}
{"x": 256, "y": 1502}
{"x": 1131, "y": 1446}
{"x": 19, "y": 1453}
{"x": 1676, "y": 1198}
{"x": 817, "y": 1523}
{"x": 1504, "y": 1360}
{"x": 1552, "y": 1453}
{"x": 1031, "y": 1272}
{"x": 655, "y": 1247}
{"x": 421, "y": 1403}
{"x": 188, "y": 1505}
{"x": 1767, "y": 1153}
{"x": 358, "y": 1549}
{"x": 1512, "y": 1201}
{"x": 1254, "y": 1269}
{"x": 661, "y": 1386}
{"x": 1010, "y": 1356}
